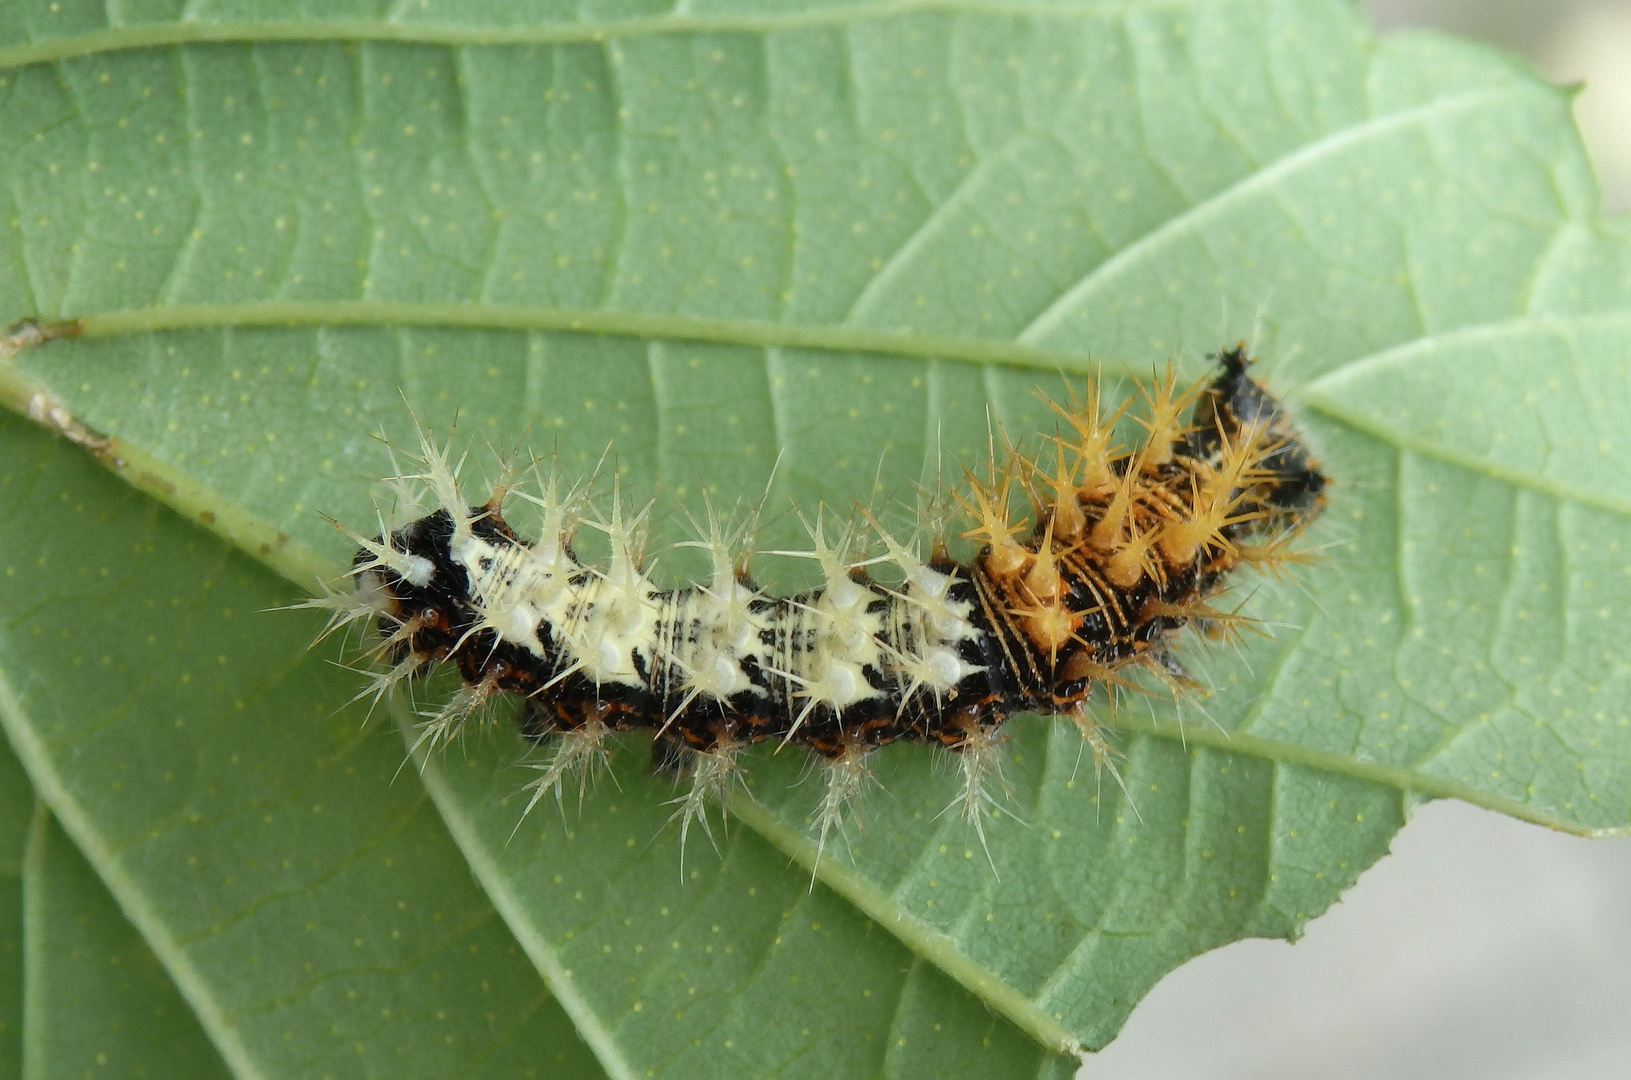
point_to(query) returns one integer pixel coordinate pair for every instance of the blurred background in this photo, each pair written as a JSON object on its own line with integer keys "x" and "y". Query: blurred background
{"x": 1482, "y": 948}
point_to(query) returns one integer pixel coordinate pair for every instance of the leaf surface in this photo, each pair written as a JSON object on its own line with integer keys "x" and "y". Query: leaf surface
{"x": 11, "y": 973}
{"x": 97, "y": 998}
{"x": 840, "y": 236}
{"x": 16, "y": 812}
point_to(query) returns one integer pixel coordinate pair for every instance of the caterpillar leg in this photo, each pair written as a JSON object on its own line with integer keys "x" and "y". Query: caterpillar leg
{"x": 1104, "y": 754}
{"x": 846, "y": 777}
{"x": 979, "y": 759}
{"x": 581, "y": 753}
{"x": 712, "y": 772}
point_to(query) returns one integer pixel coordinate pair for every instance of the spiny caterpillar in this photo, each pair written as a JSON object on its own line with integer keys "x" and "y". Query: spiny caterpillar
{"x": 1128, "y": 548}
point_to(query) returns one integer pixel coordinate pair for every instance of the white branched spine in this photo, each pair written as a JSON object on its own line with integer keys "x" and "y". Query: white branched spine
{"x": 611, "y": 625}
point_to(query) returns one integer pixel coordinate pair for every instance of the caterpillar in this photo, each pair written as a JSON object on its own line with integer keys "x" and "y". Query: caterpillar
{"x": 1125, "y": 549}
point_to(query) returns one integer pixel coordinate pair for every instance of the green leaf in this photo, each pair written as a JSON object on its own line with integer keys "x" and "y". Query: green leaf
{"x": 11, "y": 974}
{"x": 16, "y": 812}
{"x": 97, "y": 997}
{"x": 841, "y": 236}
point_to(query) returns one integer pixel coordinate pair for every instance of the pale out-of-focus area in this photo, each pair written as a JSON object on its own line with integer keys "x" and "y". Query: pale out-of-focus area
{"x": 1482, "y": 948}
{"x": 1570, "y": 41}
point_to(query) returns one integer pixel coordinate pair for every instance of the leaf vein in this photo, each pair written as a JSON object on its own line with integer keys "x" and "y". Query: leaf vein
{"x": 1261, "y": 180}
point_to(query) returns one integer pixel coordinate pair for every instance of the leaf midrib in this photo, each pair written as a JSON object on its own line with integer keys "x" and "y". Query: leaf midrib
{"x": 543, "y": 318}
{"x": 276, "y": 549}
